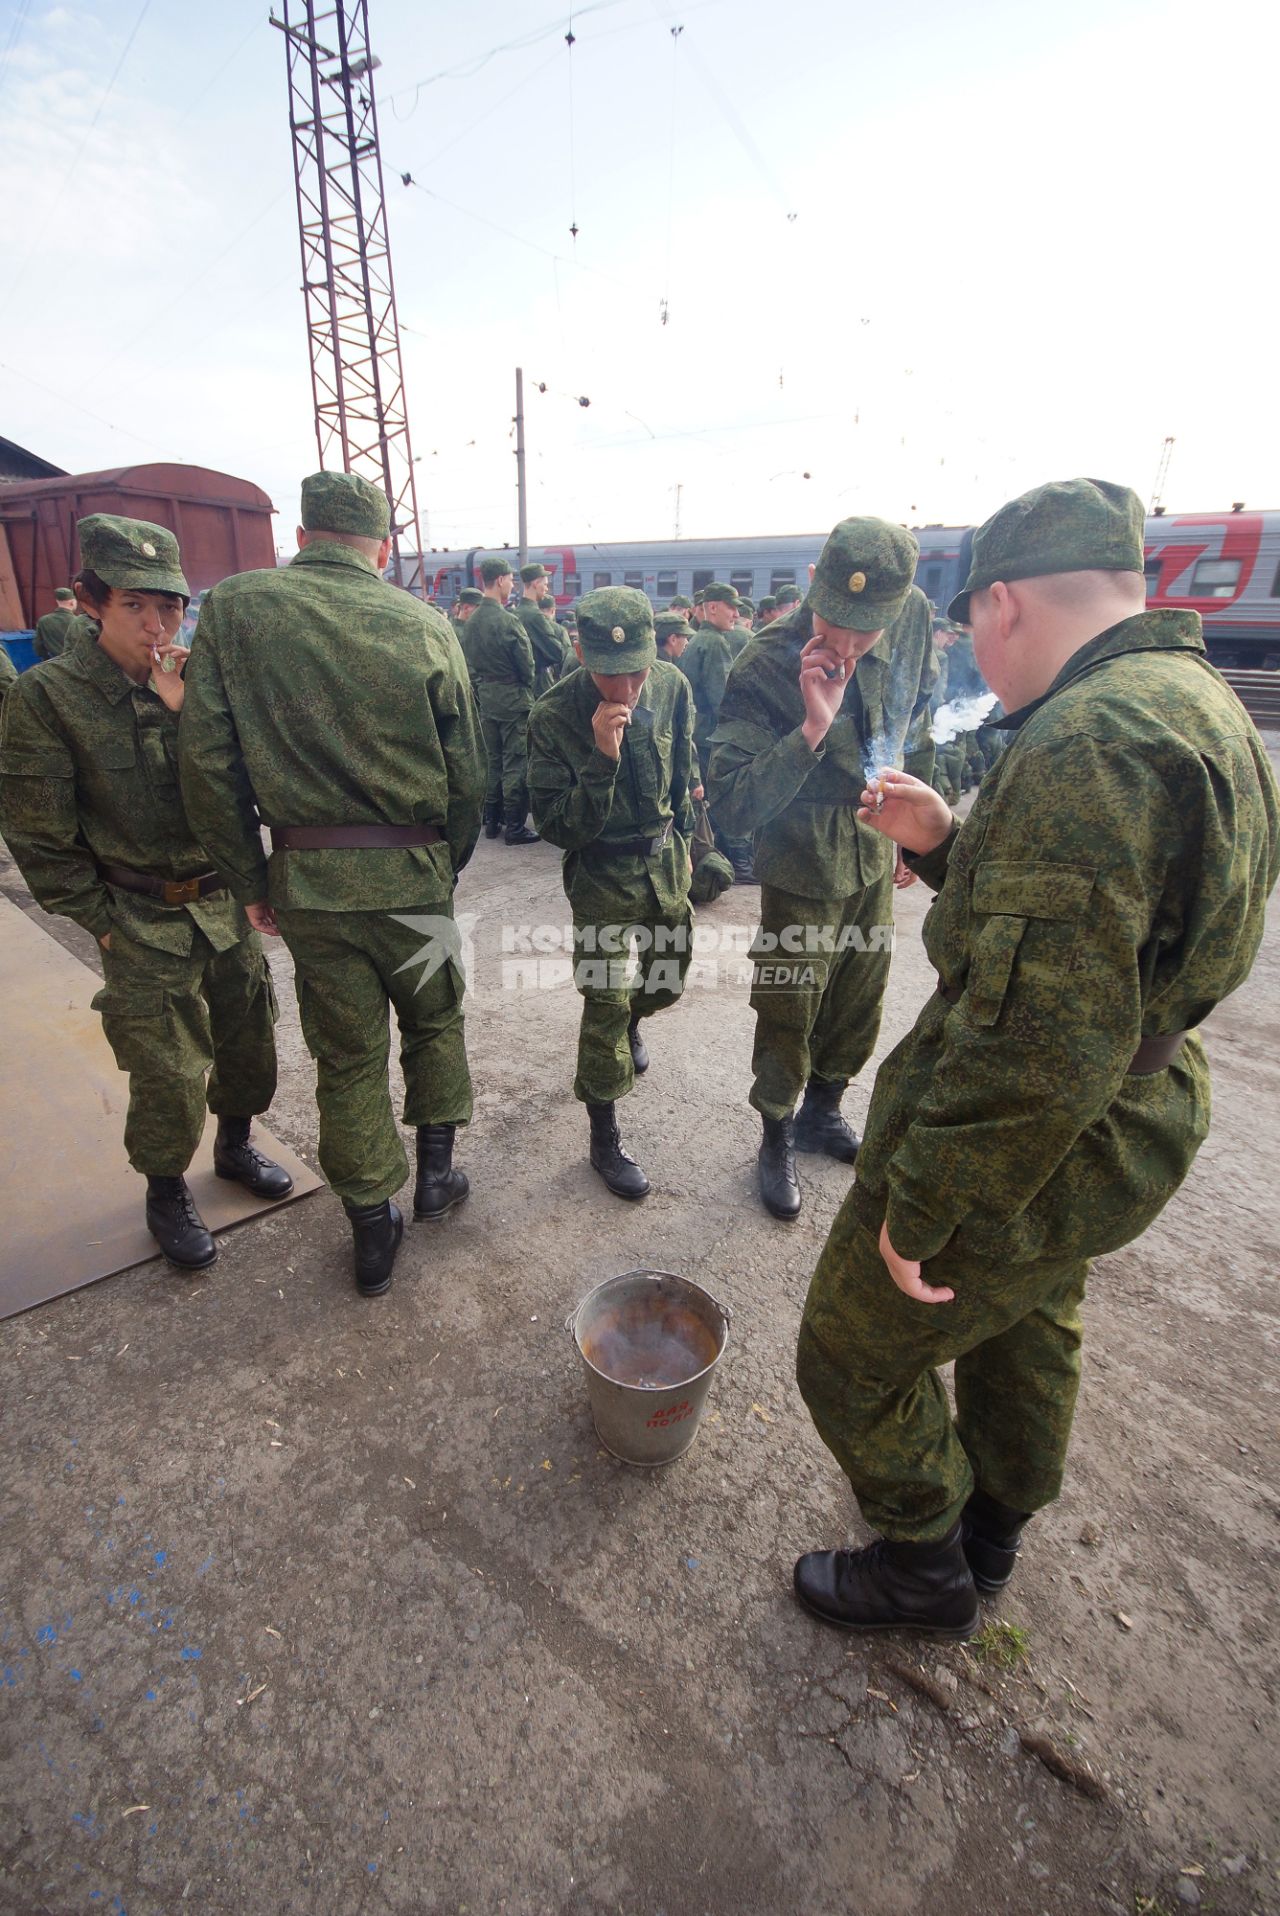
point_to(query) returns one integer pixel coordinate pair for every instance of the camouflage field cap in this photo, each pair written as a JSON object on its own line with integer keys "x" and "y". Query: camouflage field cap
{"x": 1070, "y": 525}
{"x": 671, "y": 624}
{"x": 615, "y": 630}
{"x": 344, "y": 502}
{"x": 532, "y": 571}
{"x": 471, "y": 595}
{"x": 767, "y": 603}
{"x": 864, "y": 574}
{"x": 131, "y": 554}
{"x": 719, "y": 590}
{"x": 680, "y": 604}
{"x": 746, "y": 605}
{"x": 787, "y": 595}
{"x": 491, "y": 570}
{"x": 64, "y": 595}
{"x": 699, "y": 596}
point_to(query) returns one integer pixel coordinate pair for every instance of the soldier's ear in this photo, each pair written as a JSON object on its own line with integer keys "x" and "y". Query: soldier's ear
{"x": 578, "y": 649}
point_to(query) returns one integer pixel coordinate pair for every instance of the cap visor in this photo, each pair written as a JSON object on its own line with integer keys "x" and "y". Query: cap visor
{"x": 959, "y": 608}
{"x": 855, "y": 615}
{"x": 124, "y": 579}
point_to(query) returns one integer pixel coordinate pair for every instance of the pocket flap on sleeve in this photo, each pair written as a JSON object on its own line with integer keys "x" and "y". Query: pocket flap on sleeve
{"x": 1032, "y": 889}
{"x": 18, "y": 764}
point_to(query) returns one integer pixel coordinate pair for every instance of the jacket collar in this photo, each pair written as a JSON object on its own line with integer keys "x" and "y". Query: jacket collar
{"x": 324, "y": 551}
{"x": 100, "y": 670}
{"x": 1145, "y": 632}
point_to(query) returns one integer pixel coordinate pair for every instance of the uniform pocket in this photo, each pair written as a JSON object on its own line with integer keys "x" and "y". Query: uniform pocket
{"x": 1029, "y": 916}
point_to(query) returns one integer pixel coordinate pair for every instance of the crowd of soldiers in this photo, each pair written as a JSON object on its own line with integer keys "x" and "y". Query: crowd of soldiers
{"x": 1105, "y": 892}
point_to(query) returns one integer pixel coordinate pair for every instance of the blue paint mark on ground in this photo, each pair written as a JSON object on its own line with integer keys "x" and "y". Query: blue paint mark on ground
{"x": 151, "y": 1696}
{"x": 160, "y": 1556}
{"x": 206, "y": 1565}
{"x": 190, "y": 1654}
{"x": 372, "y": 1868}
{"x": 75, "y": 1676}
{"x": 46, "y": 1634}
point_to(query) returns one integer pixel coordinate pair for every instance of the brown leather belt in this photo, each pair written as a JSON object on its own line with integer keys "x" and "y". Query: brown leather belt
{"x": 171, "y": 891}
{"x": 1152, "y": 1055}
{"x": 359, "y": 838}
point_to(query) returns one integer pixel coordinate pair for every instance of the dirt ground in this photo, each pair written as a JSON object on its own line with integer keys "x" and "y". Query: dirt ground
{"x": 314, "y": 1603}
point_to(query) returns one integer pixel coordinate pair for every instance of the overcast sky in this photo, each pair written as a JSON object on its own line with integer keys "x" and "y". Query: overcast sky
{"x": 928, "y": 255}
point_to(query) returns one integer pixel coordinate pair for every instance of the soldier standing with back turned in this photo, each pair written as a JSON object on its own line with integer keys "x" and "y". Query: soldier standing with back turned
{"x": 334, "y": 708}
{"x": 549, "y": 646}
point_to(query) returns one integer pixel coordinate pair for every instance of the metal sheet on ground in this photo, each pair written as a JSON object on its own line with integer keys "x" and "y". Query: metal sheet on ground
{"x": 71, "y": 1204}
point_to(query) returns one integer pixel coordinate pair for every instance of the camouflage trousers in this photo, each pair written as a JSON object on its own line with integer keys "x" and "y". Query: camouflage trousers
{"x": 170, "y": 1020}
{"x": 817, "y": 1012}
{"x": 504, "y": 742}
{"x": 867, "y": 1366}
{"x": 350, "y": 967}
{"x": 613, "y": 993}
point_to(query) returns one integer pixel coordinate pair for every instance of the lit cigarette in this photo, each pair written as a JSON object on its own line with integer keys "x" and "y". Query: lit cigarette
{"x": 880, "y": 794}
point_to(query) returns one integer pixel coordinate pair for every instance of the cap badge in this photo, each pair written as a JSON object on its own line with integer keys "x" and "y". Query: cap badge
{"x": 147, "y": 550}
{"x": 618, "y": 636}
{"x": 857, "y": 581}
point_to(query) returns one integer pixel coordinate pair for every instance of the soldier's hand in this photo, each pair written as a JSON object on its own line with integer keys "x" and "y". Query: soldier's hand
{"x": 697, "y": 792}
{"x": 105, "y": 941}
{"x": 823, "y": 679}
{"x": 902, "y": 872}
{"x": 905, "y": 1272}
{"x": 168, "y": 684}
{"x": 608, "y": 722}
{"x": 913, "y": 814}
{"x": 262, "y": 918}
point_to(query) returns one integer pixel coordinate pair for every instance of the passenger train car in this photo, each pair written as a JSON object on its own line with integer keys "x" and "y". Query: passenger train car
{"x": 1223, "y": 565}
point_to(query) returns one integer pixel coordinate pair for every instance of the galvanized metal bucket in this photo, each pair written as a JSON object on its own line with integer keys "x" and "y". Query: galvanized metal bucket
{"x": 649, "y": 1343}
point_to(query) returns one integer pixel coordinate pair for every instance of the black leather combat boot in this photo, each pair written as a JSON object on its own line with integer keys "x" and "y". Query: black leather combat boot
{"x": 439, "y": 1186}
{"x": 518, "y": 833}
{"x": 992, "y": 1534}
{"x": 377, "y": 1230}
{"x": 744, "y": 871}
{"x": 492, "y": 821}
{"x": 638, "y": 1048}
{"x": 617, "y": 1167}
{"x": 234, "y": 1157}
{"x": 779, "y": 1180}
{"x": 819, "y": 1125}
{"x": 892, "y": 1586}
{"x": 177, "y": 1226}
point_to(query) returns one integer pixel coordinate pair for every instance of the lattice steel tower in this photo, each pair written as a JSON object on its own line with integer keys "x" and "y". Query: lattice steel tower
{"x": 357, "y": 377}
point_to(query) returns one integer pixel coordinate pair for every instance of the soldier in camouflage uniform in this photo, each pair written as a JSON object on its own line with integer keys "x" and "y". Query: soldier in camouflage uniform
{"x": 707, "y": 664}
{"x": 91, "y": 812}
{"x": 500, "y": 660}
{"x": 551, "y": 650}
{"x": 468, "y": 599}
{"x": 8, "y": 674}
{"x": 56, "y": 629}
{"x": 815, "y": 705}
{"x": 610, "y": 774}
{"x": 333, "y": 708}
{"x": 786, "y": 600}
{"x": 766, "y": 612}
{"x": 1106, "y": 891}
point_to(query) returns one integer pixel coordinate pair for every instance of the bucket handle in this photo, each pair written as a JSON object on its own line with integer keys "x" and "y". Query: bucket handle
{"x": 644, "y": 1270}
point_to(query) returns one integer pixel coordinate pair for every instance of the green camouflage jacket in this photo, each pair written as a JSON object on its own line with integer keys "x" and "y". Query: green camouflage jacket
{"x": 706, "y": 662}
{"x": 89, "y": 776}
{"x": 581, "y": 798}
{"x": 55, "y": 632}
{"x": 8, "y": 672}
{"x": 546, "y": 641}
{"x": 1109, "y": 884}
{"x": 802, "y": 805}
{"x": 320, "y": 695}
{"x": 500, "y": 660}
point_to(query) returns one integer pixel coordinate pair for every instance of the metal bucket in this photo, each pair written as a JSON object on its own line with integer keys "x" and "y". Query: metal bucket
{"x": 649, "y": 1342}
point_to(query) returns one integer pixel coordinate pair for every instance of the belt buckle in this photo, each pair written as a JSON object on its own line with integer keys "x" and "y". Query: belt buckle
{"x": 660, "y": 840}
{"x": 181, "y": 891}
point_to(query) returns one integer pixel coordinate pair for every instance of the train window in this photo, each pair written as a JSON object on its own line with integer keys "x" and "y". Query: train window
{"x": 780, "y": 578}
{"x": 572, "y": 584}
{"x": 701, "y": 580}
{"x": 1275, "y": 584}
{"x": 1215, "y": 579}
{"x": 601, "y": 578}
{"x": 635, "y": 580}
{"x": 931, "y": 584}
{"x": 668, "y": 585}
{"x": 1153, "y": 569}
{"x": 742, "y": 582}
